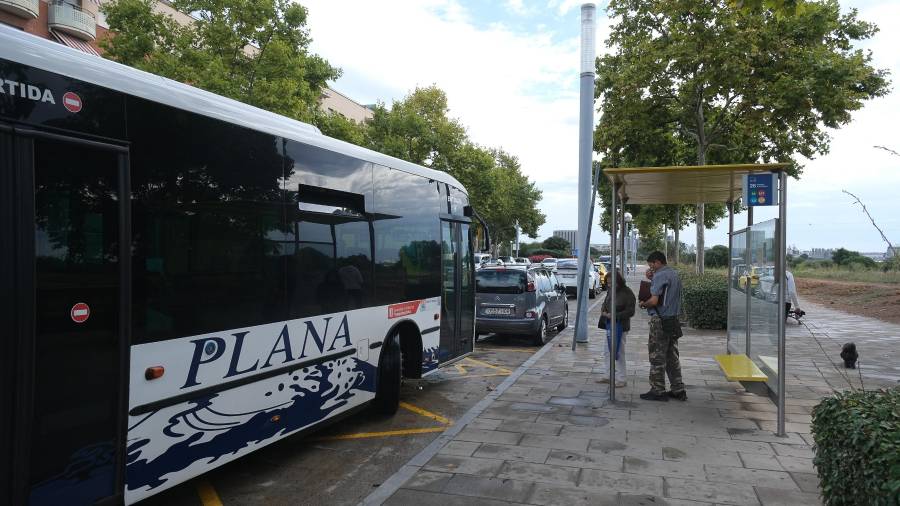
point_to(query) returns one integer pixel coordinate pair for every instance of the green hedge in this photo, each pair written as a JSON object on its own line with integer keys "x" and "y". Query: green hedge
{"x": 705, "y": 299}
{"x": 857, "y": 436}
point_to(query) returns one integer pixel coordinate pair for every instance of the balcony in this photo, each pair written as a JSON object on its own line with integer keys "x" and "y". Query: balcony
{"x": 69, "y": 19}
{"x": 21, "y": 8}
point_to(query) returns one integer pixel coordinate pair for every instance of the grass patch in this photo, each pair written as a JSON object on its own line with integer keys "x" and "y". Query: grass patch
{"x": 850, "y": 275}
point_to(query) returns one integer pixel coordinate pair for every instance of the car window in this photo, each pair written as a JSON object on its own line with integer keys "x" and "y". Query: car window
{"x": 567, "y": 264}
{"x": 545, "y": 282}
{"x": 553, "y": 280}
{"x": 500, "y": 281}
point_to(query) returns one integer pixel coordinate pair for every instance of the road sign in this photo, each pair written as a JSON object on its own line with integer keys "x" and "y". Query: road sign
{"x": 759, "y": 190}
{"x": 80, "y": 312}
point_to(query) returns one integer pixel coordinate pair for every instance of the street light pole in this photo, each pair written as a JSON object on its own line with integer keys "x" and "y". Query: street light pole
{"x": 585, "y": 150}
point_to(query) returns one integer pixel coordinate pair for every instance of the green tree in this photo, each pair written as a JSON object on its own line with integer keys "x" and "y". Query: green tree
{"x": 557, "y": 244}
{"x": 699, "y": 82}
{"x": 419, "y": 129}
{"x": 717, "y": 256}
{"x": 254, "y": 51}
{"x": 337, "y": 125}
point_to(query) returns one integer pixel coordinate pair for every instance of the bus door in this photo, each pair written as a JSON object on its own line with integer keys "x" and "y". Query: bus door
{"x": 66, "y": 233}
{"x": 457, "y": 293}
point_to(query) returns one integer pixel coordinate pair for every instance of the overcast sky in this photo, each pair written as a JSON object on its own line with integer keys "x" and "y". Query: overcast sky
{"x": 510, "y": 70}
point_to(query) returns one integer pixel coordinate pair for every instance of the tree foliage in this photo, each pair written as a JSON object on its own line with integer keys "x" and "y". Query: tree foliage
{"x": 419, "y": 129}
{"x": 557, "y": 243}
{"x": 254, "y": 51}
{"x": 697, "y": 82}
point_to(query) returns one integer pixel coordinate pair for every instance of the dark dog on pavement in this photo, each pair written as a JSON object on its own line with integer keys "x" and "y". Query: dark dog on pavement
{"x": 849, "y": 354}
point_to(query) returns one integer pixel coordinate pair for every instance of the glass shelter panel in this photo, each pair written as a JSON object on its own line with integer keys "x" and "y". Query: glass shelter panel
{"x": 763, "y": 295}
{"x": 737, "y": 321}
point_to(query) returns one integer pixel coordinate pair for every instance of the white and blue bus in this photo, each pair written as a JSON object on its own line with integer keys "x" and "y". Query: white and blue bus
{"x": 187, "y": 279}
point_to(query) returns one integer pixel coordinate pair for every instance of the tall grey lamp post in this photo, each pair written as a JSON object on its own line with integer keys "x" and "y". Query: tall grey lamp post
{"x": 585, "y": 149}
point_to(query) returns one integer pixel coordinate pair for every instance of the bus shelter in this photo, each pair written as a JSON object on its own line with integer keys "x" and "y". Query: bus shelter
{"x": 755, "y": 345}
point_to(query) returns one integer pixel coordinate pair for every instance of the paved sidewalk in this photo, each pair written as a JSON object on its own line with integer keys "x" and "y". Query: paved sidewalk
{"x": 552, "y": 437}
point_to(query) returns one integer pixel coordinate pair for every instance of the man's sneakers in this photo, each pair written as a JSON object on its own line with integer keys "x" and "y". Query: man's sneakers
{"x": 653, "y": 396}
{"x": 681, "y": 396}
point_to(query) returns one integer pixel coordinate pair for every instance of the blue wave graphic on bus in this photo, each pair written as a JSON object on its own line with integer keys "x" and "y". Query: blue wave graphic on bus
{"x": 318, "y": 391}
{"x": 88, "y": 477}
{"x": 429, "y": 359}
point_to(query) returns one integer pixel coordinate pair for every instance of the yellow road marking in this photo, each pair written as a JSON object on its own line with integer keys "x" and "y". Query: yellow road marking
{"x": 208, "y": 495}
{"x": 423, "y": 412}
{"x": 491, "y": 366}
{"x": 519, "y": 350}
{"x": 387, "y": 433}
{"x": 445, "y": 422}
{"x": 460, "y": 368}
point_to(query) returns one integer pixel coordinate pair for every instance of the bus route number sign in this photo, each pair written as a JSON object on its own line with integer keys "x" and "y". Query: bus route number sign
{"x": 759, "y": 190}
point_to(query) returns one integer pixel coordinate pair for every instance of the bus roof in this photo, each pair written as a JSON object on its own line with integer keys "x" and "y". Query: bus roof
{"x": 40, "y": 53}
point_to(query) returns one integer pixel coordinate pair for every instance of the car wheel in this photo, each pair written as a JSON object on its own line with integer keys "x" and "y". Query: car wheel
{"x": 565, "y": 323}
{"x": 592, "y": 294}
{"x": 540, "y": 338}
{"x": 387, "y": 390}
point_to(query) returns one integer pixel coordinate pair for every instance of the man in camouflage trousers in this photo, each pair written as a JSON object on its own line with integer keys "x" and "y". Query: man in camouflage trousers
{"x": 664, "y": 307}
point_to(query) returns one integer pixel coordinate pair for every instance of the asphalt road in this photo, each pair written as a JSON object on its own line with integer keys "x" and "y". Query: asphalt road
{"x": 343, "y": 463}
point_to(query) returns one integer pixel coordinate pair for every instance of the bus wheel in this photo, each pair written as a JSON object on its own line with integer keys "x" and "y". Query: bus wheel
{"x": 387, "y": 394}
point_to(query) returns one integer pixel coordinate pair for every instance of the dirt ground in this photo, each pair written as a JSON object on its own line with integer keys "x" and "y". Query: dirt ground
{"x": 880, "y": 301}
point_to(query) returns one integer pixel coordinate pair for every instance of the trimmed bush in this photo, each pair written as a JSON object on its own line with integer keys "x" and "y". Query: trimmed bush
{"x": 705, "y": 299}
{"x": 857, "y": 437}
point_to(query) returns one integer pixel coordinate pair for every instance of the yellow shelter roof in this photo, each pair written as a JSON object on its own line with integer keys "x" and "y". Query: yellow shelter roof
{"x": 685, "y": 184}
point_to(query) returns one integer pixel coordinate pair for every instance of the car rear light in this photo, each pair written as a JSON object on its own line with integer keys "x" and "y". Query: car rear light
{"x": 530, "y": 286}
{"x": 530, "y": 314}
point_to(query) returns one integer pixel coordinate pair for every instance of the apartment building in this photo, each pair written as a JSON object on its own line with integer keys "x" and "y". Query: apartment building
{"x": 70, "y": 22}
{"x": 80, "y": 24}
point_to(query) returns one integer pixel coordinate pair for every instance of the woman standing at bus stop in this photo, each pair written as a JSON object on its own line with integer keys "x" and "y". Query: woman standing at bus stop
{"x": 625, "y": 303}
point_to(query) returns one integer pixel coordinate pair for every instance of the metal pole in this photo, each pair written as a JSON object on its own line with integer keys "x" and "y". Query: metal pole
{"x": 730, "y": 269}
{"x": 780, "y": 271}
{"x": 612, "y": 297}
{"x": 581, "y": 301}
{"x": 585, "y": 149}
{"x": 747, "y": 255}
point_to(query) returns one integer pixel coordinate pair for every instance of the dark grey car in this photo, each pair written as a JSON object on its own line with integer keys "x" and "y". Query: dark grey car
{"x": 520, "y": 300}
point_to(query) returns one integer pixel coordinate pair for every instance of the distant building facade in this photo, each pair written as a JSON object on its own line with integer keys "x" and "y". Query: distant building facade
{"x": 334, "y": 101}
{"x": 820, "y": 253}
{"x": 568, "y": 235}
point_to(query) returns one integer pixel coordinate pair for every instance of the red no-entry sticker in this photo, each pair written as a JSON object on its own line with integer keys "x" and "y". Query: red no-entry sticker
{"x": 80, "y": 312}
{"x": 72, "y": 102}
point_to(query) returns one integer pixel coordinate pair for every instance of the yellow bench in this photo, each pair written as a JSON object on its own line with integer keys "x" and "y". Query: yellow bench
{"x": 740, "y": 368}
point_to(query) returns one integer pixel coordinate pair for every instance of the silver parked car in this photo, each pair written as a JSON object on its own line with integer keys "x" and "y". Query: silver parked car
{"x": 520, "y": 301}
{"x": 567, "y": 270}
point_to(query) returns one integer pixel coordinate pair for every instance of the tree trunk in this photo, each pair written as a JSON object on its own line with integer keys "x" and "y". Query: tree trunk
{"x": 702, "y": 145}
{"x": 677, "y": 255}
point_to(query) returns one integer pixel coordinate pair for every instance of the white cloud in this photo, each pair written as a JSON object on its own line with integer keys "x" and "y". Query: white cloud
{"x": 514, "y": 90}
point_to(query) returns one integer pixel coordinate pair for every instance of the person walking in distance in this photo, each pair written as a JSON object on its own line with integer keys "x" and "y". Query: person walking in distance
{"x": 625, "y": 303}
{"x": 663, "y": 307}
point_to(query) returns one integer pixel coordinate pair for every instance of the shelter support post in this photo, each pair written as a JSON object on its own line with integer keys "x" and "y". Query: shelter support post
{"x": 748, "y": 283}
{"x": 612, "y": 295}
{"x": 782, "y": 287}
